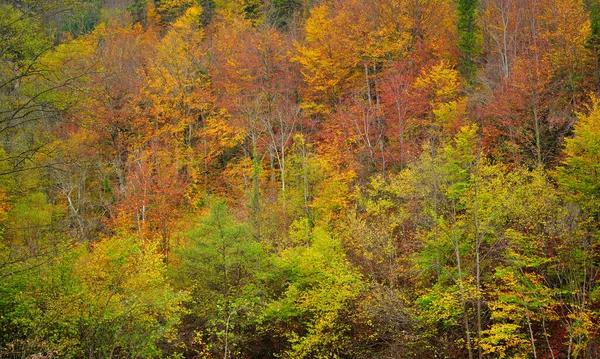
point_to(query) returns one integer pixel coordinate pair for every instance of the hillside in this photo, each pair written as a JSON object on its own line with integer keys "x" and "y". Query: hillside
{"x": 299, "y": 179}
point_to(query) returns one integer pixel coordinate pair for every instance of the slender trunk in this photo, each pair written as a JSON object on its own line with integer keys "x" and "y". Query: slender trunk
{"x": 531, "y": 334}
{"x": 504, "y": 54}
{"x": 538, "y": 144}
{"x": 535, "y": 80}
{"x": 205, "y": 149}
{"x": 368, "y": 83}
{"x": 462, "y": 294}
{"x": 225, "y": 274}
{"x": 546, "y": 335}
{"x": 435, "y": 200}
{"x": 282, "y": 173}
{"x": 478, "y": 279}
{"x": 305, "y": 193}
{"x": 255, "y": 196}
{"x": 401, "y": 112}
{"x": 283, "y": 140}
{"x": 467, "y": 328}
{"x": 380, "y": 122}
{"x": 226, "y": 349}
{"x": 478, "y": 265}
{"x": 597, "y": 68}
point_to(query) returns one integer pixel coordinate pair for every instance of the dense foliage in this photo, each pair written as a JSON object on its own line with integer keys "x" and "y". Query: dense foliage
{"x": 299, "y": 179}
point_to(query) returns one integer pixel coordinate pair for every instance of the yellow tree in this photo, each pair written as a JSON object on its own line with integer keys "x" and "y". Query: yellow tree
{"x": 256, "y": 84}
{"x": 345, "y": 42}
{"x": 164, "y": 163}
{"x": 177, "y": 89}
{"x": 578, "y": 177}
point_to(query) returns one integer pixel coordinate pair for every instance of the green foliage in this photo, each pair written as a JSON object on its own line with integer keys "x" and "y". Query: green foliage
{"x": 137, "y": 8}
{"x": 253, "y": 10}
{"x": 96, "y": 303}
{"x": 444, "y": 305}
{"x": 578, "y": 178}
{"x": 579, "y": 174}
{"x": 333, "y": 244}
{"x": 83, "y": 19}
{"x": 24, "y": 37}
{"x": 169, "y": 10}
{"x": 460, "y": 159}
{"x": 223, "y": 267}
{"x": 520, "y": 299}
{"x": 469, "y": 41}
{"x": 32, "y": 217}
{"x": 281, "y": 12}
{"x": 593, "y": 40}
{"x": 208, "y": 10}
{"x": 127, "y": 305}
{"x": 316, "y": 306}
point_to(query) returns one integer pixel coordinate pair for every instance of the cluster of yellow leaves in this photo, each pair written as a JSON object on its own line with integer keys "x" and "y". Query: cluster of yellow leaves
{"x": 340, "y": 41}
{"x": 442, "y": 85}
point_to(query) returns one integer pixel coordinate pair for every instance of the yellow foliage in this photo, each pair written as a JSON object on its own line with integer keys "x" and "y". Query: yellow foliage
{"x": 222, "y": 134}
{"x": 442, "y": 81}
{"x": 190, "y": 19}
{"x": 340, "y": 42}
{"x": 167, "y": 9}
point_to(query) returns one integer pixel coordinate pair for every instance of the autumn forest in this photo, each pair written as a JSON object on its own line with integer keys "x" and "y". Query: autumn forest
{"x": 248, "y": 179}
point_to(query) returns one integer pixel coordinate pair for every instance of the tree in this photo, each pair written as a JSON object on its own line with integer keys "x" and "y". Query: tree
{"x": 578, "y": 173}
{"x": 27, "y": 84}
{"x": 469, "y": 37}
{"x": 168, "y": 11}
{"x": 166, "y": 164}
{"x": 283, "y": 13}
{"x": 578, "y": 178}
{"x": 314, "y": 311}
{"x": 223, "y": 266}
{"x": 519, "y": 303}
{"x": 342, "y": 45}
{"x": 593, "y": 40}
{"x": 541, "y": 47}
{"x": 110, "y": 301}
